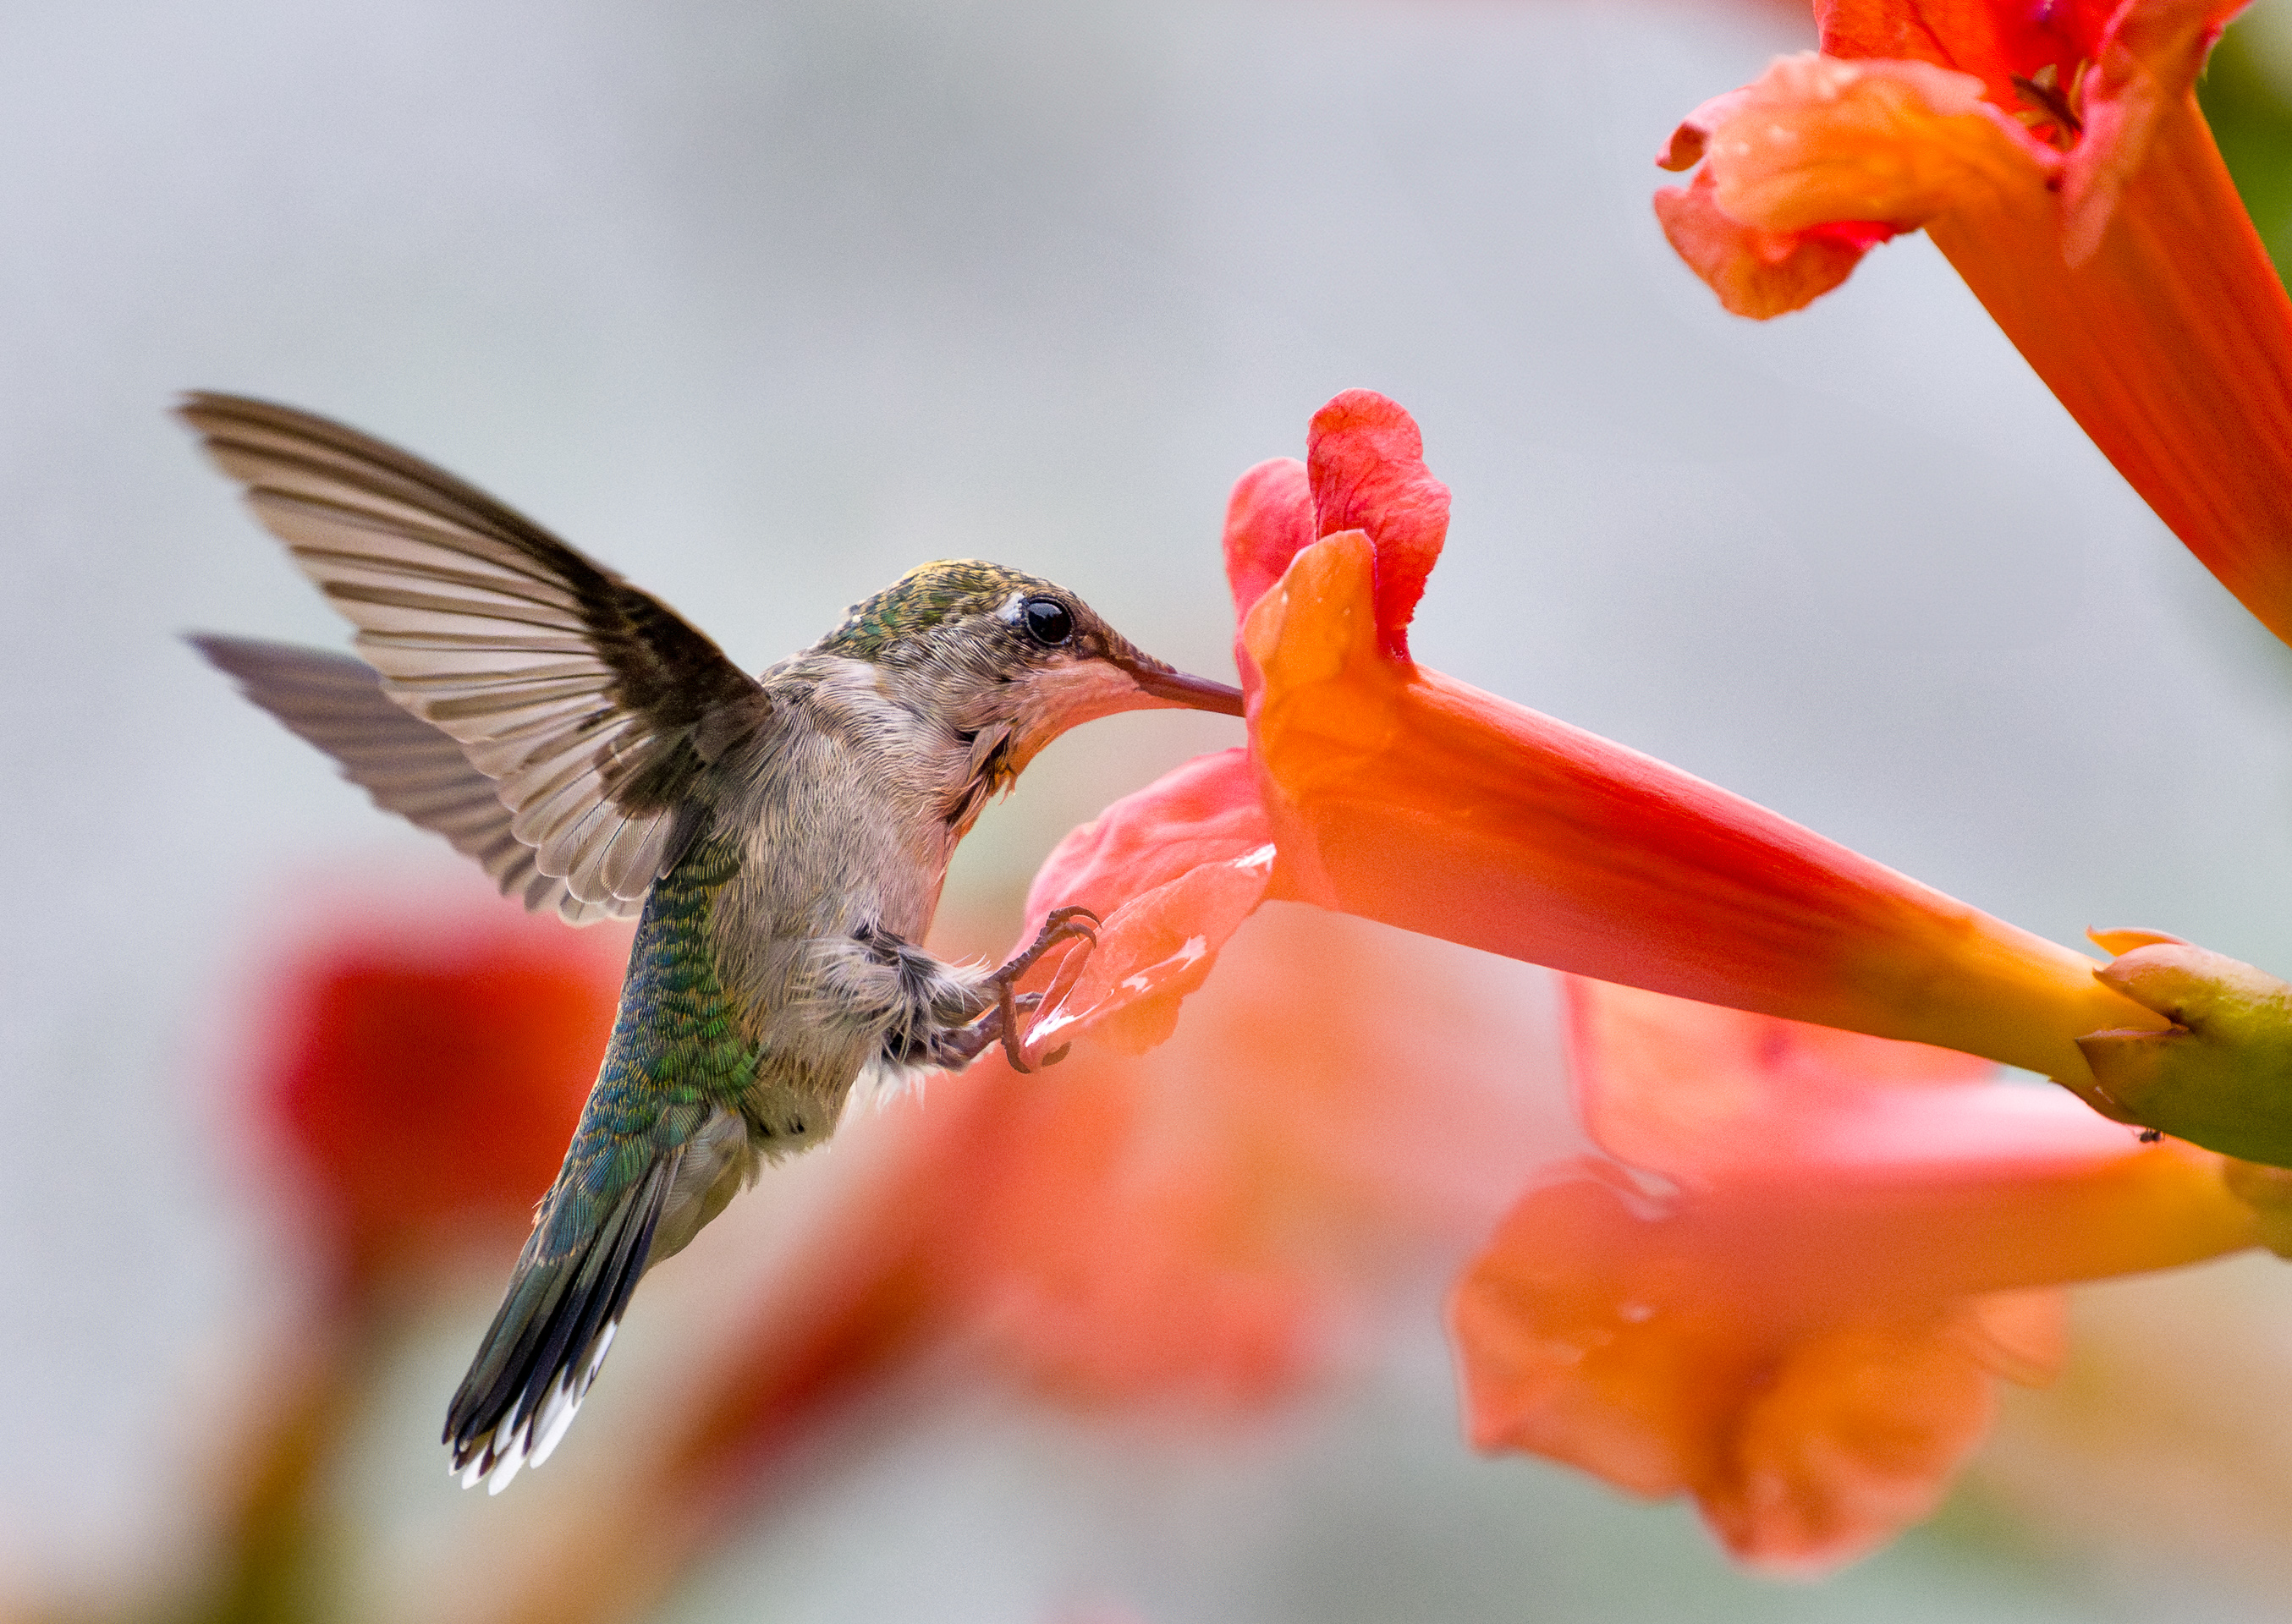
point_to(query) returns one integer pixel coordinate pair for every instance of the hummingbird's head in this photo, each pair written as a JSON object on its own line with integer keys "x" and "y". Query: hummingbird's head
{"x": 996, "y": 652}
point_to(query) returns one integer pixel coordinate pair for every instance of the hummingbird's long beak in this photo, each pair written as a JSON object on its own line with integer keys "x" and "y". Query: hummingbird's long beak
{"x": 1195, "y": 693}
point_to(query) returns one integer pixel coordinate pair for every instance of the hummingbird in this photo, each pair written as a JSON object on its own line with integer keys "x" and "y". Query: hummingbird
{"x": 780, "y": 839}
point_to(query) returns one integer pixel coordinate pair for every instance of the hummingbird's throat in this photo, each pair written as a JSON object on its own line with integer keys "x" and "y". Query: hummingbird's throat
{"x": 1065, "y": 696}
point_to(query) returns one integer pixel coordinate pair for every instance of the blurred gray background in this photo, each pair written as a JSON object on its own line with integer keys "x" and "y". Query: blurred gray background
{"x": 763, "y": 303}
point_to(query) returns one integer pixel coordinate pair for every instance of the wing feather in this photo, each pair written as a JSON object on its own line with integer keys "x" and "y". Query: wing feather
{"x": 588, "y": 702}
{"x": 409, "y": 767}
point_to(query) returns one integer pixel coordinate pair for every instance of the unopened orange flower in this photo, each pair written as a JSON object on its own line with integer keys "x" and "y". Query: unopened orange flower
{"x": 1789, "y": 1291}
{"x": 2055, "y": 153}
{"x": 1374, "y": 786}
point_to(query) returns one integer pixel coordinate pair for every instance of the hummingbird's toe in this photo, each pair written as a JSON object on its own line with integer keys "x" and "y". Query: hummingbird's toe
{"x": 1060, "y": 925}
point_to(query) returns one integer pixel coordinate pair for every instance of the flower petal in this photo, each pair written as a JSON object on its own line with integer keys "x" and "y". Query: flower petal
{"x": 1993, "y": 39}
{"x": 1204, "y": 811}
{"x": 1367, "y": 464}
{"x": 2146, "y": 68}
{"x": 2172, "y": 346}
{"x": 1855, "y": 1437}
{"x": 1172, "y": 872}
{"x": 1153, "y": 952}
{"x": 427, "y": 1067}
{"x": 1268, "y": 519}
{"x": 1685, "y": 149}
{"x": 2133, "y": 62}
{"x": 1110, "y": 1264}
{"x": 1816, "y": 140}
{"x": 1696, "y": 1092}
{"x": 2024, "y": 1336}
{"x": 1402, "y": 795}
{"x": 2147, "y": 303}
{"x": 1808, "y": 1356}
{"x": 1756, "y": 273}
{"x": 1559, "y": 1350}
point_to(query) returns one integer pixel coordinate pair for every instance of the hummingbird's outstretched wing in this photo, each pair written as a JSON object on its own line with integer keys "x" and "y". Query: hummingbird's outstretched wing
{"x": 336, "y": 702}
{"x": 592, "y": 705}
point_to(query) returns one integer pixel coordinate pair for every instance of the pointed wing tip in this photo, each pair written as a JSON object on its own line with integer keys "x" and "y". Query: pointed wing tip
{"x": 233, "y": 656}
{"x": 249, "y": 659}
{"x": 202, "y": 411}
{"x": 211, "y": 418}
{"x": 192, "y": 404}
{"x": 214, "y": 415}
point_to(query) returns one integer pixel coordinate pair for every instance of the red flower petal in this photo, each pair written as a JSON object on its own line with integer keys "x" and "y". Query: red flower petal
{"x": 1700, "y": 1094}
{"x": 1367, "y": 462}
{"x": 1992, "y": 39}
{"x": 2172, "y": 346}
{"x": 428, "y": 1075}
{"x": 2138, "y": 291}
{"x": 1856, "y": 1437}
{"x": 1808, "y": 1352}
{"x": 1759, "y": 273}
{"x": 2144, "y": 68}
{"x": 1172, "y": 872}
{"x": 1268, "y": 519}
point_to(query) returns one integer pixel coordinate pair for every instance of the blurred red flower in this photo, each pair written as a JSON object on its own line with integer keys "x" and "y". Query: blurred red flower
{"x": 424, "y": 1076}
{"x": 2056, "y": 155}
{"x": 1789, "y": 1291}
{"x": 417, "y": 1073}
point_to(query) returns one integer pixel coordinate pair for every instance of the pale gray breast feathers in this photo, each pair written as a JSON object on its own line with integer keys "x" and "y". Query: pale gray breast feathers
{"x": 844, "y": 832}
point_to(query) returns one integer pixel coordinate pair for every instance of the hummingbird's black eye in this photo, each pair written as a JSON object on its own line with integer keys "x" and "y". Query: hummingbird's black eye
{"x": 1047, "y": 621}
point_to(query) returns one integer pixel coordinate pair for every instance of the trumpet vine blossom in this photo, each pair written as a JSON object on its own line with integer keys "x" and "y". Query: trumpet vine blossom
{"x": 2055, "y": 153}
{"x": 1374, "y": 786}
{"x": 1788, "y": 1287}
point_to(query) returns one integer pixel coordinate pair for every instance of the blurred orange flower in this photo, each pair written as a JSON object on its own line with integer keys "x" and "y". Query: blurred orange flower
{"x": 425, "y": 1076}
{"x": 1789, "y": 1291}
{"x": 2056, "y": 155}
{"x": 1374, "y": 786}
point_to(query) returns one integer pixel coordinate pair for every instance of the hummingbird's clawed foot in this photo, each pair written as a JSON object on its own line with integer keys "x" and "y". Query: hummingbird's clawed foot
{"x": 1059, "y": 926}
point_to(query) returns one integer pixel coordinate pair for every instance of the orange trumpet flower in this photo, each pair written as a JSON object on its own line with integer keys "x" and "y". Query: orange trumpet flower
{"x": 1799, "y": 1319}
{"x": 1374, "y": 786}
{"x": 2055, "y": 153}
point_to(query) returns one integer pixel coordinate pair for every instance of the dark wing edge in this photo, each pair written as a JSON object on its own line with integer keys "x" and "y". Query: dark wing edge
{"x": 550, "y": 1336}
{"x": 593, "y": 707}
{"x": 336, "y": 702}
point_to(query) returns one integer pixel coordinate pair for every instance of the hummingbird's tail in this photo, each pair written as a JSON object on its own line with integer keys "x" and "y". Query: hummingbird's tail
{"x": 551, "y": 1334}
{"x": 622, "y": 1202}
